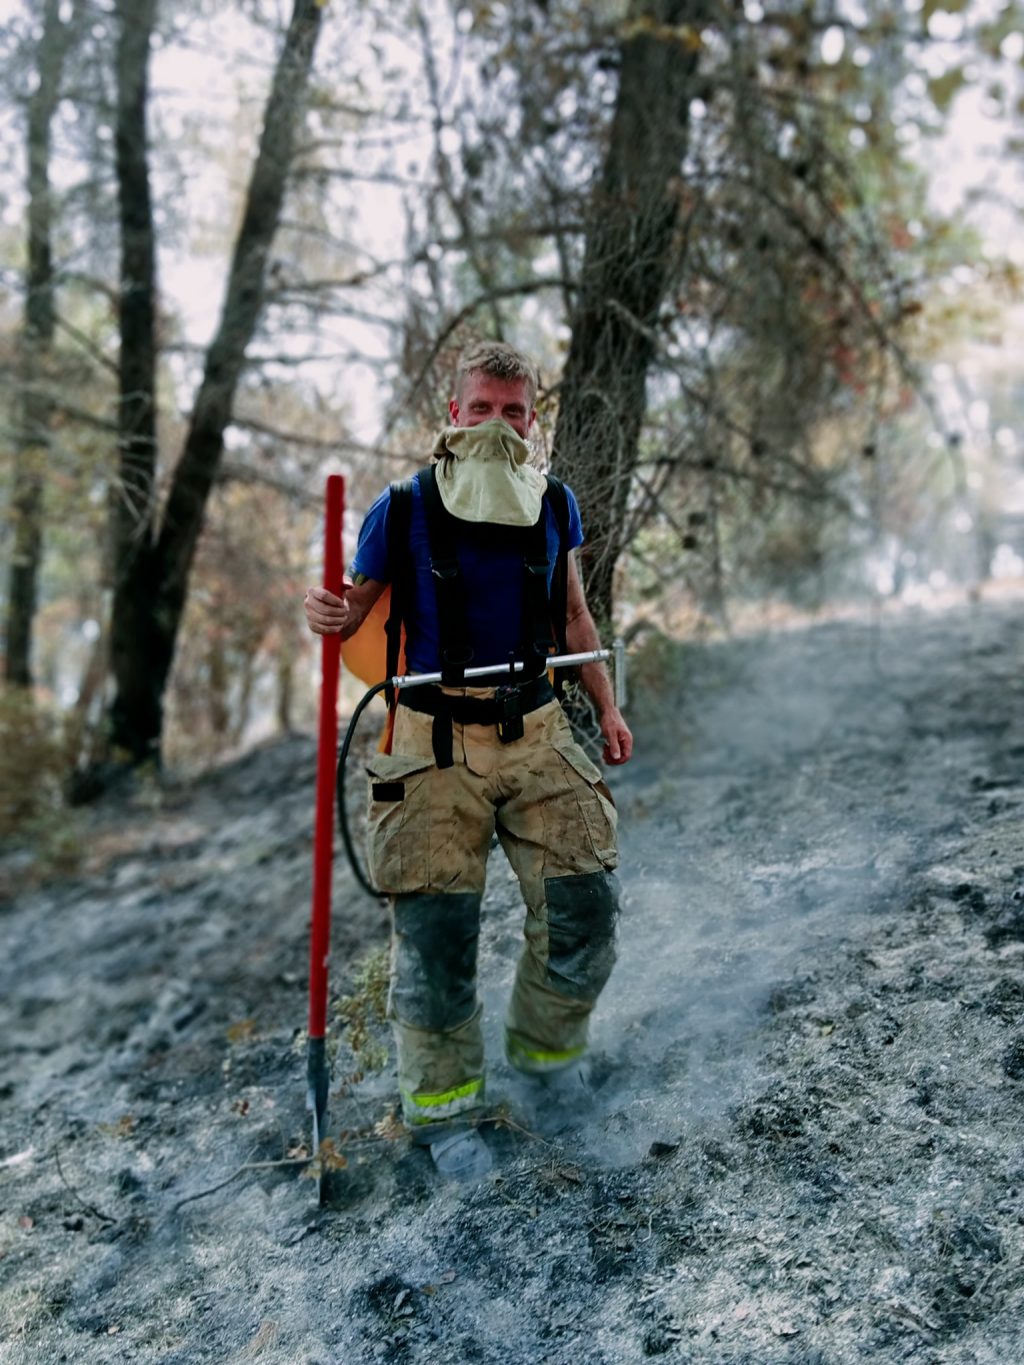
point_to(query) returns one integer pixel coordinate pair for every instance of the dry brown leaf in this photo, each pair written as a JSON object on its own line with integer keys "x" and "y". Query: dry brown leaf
{"x": 328, "y": 1158}
{"x": 266, "y": 1335}
{"x": 242, "y": 1032}
{"x": 390, "y": 1127}
{"x": 124, "y": 1126}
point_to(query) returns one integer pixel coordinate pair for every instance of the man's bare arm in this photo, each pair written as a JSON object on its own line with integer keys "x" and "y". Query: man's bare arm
{"x": 327, "y": 614}
{"x": 581, "y": 636}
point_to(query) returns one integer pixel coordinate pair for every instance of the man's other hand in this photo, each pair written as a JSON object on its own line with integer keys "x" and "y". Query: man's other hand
{"x": 325, "y": 613}
{"x": 618, "y": 738}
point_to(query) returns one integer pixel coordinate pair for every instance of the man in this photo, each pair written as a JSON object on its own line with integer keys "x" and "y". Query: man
{"x": 469, "y": 761}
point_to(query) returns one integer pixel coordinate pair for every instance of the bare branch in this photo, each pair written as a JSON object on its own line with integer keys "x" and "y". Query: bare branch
{"x": 87, "y": 344}
{"x": 317, "y": 443}
{"x": 453, "y": 324}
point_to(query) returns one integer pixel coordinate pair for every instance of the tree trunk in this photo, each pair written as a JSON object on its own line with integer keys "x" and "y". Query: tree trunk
{"x": 132, "y": 636}
{"x": 161, "y": 578}
{"x": 285, "y": 689}
{"x": 632, "y": 257}
{"x": 218, "y": 705}
{"x": 37, "y": 344}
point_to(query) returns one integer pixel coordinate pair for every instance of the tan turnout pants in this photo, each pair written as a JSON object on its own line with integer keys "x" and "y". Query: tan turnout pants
{"x": 430, "y": 832}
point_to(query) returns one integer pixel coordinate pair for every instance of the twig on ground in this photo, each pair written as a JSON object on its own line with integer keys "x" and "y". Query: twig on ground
{"x": 89, "y": 1208}
{"x": 264, "y": 1166}
{"x": 926, "y": 1328}
{"x": 245, "y": 1166}
{"x": 531, "y": 1210}
{"x": 507, "y": 1122}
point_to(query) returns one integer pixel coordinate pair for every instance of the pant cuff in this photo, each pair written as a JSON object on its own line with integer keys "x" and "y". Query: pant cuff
{"x": 536, "y": 1061}
{"x": 421, "y": 1110}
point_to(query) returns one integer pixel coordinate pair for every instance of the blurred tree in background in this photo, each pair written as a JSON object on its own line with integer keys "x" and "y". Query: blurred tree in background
{"x": 243, "y": 246}
{"x": 720, "y": 391}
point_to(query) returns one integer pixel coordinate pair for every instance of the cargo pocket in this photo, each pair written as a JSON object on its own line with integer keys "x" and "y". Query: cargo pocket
{"x": 593, "y": 800}
{"x": 398, "y": 820}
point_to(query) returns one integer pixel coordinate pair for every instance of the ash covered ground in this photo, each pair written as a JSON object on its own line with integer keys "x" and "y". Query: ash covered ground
{"x": 806, "y": 1139}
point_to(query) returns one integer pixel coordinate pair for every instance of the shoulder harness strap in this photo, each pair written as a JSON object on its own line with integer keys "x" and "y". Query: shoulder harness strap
{"x": 537, "y": 638}
{"x": 399, "y": 574}
{"x": 453, "y": 621}
{"x": 559, "y": 605}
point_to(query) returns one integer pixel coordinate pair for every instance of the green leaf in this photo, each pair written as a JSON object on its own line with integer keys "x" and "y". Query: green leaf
{"x": 943, "y": 89}
{"x": 947, "y": 6}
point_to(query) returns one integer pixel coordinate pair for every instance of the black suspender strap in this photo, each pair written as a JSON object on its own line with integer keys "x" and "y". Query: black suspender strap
{"x": 559, "y": 604}
{"x": 453, "y": 620}
{"x": 399, "y": 575}
{"x": 536, "y": 625}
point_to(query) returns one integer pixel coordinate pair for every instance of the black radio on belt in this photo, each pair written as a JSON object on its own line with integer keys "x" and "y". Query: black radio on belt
{"x": 509, "y": 701}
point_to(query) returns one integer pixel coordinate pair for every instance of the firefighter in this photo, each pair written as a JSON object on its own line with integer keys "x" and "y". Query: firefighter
{"x": 480, "y": 553}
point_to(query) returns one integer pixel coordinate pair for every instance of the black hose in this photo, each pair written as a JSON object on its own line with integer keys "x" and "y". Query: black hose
{"x": 346, "y": 834}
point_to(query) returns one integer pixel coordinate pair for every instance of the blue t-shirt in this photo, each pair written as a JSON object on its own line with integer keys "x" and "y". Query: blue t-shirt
{"x": 492, "y": 570}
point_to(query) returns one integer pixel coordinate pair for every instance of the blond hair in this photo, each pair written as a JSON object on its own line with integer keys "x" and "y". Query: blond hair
{"x": 499, "y": 360}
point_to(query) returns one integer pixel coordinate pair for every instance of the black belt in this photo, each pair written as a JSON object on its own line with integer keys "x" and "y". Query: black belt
{"x": 505, "y": 709}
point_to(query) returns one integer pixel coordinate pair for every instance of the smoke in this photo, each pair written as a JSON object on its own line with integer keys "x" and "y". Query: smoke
{"x": 790, "y": 807}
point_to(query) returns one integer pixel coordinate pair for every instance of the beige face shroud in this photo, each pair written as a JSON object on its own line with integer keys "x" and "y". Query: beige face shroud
{"x": 482, "y": 475}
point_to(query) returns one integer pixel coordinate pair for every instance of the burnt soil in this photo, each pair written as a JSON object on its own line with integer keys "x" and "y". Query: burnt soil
{"x": 804, "y": 1140}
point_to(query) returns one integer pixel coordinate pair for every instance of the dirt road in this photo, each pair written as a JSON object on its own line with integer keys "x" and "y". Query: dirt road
{"x": 806, "y": 1141}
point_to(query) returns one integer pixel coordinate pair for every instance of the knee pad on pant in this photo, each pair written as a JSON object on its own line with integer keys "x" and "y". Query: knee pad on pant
{"x": 433, "y": 980}
{"x": 582, "y": 913}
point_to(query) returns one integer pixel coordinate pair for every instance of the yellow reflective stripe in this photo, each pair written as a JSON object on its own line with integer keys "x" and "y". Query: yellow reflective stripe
{"x": 534, "y": 1055}
{"x": 569, "y": 1056}
{"x": 447, "y": 1096}
{"x": 460, "y": 1092}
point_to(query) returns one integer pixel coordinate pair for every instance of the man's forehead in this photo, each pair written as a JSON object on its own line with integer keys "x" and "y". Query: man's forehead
{"x": 510, "y": 390}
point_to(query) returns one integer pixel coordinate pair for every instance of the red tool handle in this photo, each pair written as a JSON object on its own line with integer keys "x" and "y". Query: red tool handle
{"x": 326, "y": 769}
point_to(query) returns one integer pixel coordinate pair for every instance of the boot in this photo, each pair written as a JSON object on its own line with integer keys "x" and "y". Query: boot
{"x": 461, "y": 1156}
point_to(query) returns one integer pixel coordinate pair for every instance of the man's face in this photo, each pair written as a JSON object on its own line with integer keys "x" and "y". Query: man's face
{"x": 484, "y": 397}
